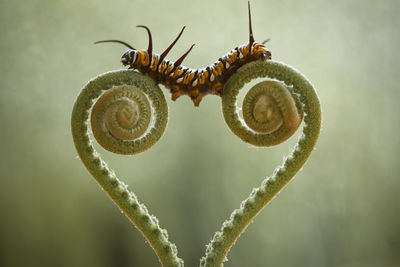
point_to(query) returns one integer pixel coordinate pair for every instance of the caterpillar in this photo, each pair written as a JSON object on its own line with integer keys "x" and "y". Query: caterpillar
{"x": 181, "y": 80}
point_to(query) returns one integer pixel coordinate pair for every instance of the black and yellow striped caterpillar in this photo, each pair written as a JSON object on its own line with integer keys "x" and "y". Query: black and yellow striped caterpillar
{"x": 185, "y": 81}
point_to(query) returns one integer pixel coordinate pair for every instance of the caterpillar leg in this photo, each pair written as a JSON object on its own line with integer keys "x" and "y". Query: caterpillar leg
{"x": 218, "y": 89}
{"x": 175, "y": 93}
{"x": 196, "y": 97}
{"x": 196, "y": 100}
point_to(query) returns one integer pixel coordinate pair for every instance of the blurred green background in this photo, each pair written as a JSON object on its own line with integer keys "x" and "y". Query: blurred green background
{"x": 342, "y": 209}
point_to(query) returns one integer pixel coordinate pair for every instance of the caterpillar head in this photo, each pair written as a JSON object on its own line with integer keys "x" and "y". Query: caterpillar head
{"x": 129, "y": 57}
{"x": 265, "y": 55}
{"x": 261, "y": 52}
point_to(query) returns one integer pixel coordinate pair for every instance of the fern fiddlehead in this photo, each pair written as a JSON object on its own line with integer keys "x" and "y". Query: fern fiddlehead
{"x": 121, "y": 122}
{"x": 269, "y": 112}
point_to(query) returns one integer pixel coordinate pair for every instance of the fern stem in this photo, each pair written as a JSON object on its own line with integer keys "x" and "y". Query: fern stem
{"x": 118, "y": 191}
{"x": 232, "y": 228}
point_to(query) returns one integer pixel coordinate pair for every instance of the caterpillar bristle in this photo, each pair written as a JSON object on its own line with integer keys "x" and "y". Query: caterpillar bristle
{"x": 150, "y": 46}
{"x": 115, "y": 41}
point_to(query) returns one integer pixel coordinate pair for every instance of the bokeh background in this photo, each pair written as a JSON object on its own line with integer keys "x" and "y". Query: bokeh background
{"x": 342, "y": 209}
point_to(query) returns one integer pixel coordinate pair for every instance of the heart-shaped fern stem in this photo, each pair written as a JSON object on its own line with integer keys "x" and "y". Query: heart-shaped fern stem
{"x": 129, "y": 116}
{"x": 271, "y": 118}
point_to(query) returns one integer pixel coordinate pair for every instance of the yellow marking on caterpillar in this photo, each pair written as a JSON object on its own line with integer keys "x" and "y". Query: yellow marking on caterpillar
{"x": 203, "y": 77}
{"x": 217, "y": 70}
{"x": 143, "y": 57}
{"x": 244, "y": 50}
{"x": 176, "y": 73}
{"x": 162, "y": 67}
{"x": 169, "y": 69}
{"x": 154, "y": 63}
{"x": 232, "y": 57}
{"x": 188, "y": 77}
